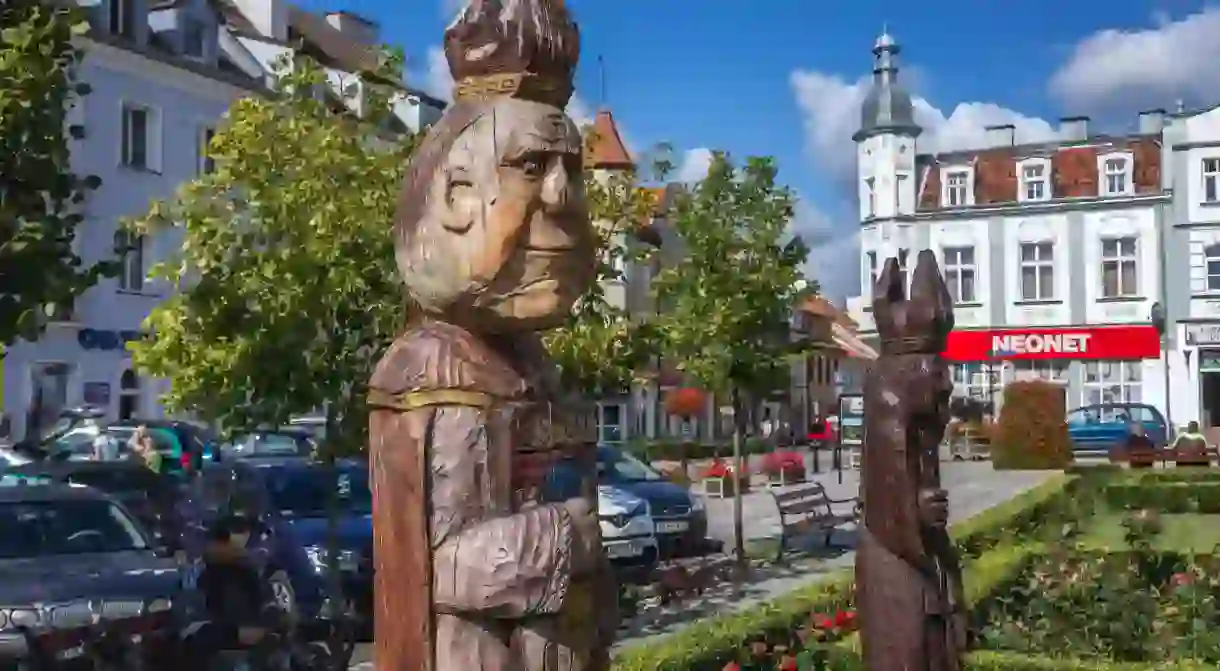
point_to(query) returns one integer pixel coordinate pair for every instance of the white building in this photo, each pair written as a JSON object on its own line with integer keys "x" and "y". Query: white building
{"x": 163, "y": 73}
{"x": 1050, "y": 250}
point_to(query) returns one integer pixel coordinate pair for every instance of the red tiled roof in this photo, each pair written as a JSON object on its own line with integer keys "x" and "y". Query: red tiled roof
{"x": 1073, "y": 170}
{"x": 606, "y": 150}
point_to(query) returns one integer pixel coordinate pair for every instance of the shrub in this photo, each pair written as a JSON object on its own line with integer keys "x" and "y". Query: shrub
{"x": 1032, "y": 432}
{"x": 1166, "y": 497}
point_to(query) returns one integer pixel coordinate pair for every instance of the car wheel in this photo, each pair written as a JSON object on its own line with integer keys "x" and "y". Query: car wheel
{"x": 283, "y": 594}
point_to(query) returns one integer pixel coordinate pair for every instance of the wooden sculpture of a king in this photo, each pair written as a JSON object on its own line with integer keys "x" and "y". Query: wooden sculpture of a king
{"x": 908, "y": 578}
{"x": 487, "y": 549}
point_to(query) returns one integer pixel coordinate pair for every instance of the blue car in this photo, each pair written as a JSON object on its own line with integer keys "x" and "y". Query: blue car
{"x": 1095, "y": 429}
{"x": 288, "y": 496}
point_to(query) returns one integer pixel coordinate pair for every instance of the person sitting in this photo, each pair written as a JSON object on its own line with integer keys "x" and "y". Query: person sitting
{"x": 1141, "y": 452}
{"x": 1191, "y": 448}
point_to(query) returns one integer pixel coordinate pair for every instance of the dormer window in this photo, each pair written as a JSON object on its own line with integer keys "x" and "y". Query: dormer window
{"x": 957, "y": 188}
{"x": 1035, "y": 180}
{"x": 1115, "y": 170}
{"x": 193, "y": 37}
{"x": 123, "y": 18}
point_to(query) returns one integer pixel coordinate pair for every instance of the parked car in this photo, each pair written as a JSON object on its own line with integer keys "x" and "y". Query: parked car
{"x": 289, "y": 442}
{"x": 1098, "y": 428}
{"x": 10, "y": 457}
{"x": 40, "y": 446}
{"x": 680, "y": 516}
{"x": 287, "y": 496}
{"x": 74, "y": 563}
{"x": 314, "y": 424}
{"x": 150, "y": 497}
{"x": 628, "y": 531}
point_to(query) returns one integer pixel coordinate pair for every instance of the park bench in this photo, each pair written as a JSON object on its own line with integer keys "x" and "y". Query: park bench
{"x": 808, "y": 509}
{"x": 1192, "y": 452}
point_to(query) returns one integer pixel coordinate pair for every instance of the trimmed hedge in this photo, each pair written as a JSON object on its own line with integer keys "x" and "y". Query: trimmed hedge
{"x": 1032, "y": 433}
{"x": 708, "y": 644}
{"x": 1165, "y": 497}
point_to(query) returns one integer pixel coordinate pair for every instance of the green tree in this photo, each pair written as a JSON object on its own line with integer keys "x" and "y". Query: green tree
{"x": 40, "y": 197}
{"x": 289, "y": 289}
{"x": 727, "y": 304}
{"x": 602, "y": 347}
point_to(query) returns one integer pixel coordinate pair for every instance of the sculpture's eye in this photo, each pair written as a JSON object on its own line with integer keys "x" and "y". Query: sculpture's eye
{"x": 532, "y": 164}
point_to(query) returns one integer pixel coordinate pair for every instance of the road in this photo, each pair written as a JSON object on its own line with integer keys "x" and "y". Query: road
{"x": 973, "y": 488}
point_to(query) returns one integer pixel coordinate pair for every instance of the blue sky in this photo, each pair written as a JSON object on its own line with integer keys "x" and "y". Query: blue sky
{"x": 782, "y": 77}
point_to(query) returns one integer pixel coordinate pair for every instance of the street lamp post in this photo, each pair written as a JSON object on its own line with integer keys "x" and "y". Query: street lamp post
{"x": 1157, "y": 317}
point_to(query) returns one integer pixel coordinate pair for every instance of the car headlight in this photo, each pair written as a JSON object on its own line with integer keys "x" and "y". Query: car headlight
{"x": 24, "y": 617}
{"x": 696, "y": 503}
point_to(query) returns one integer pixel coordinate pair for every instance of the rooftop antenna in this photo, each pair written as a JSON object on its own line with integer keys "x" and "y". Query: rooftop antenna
{"x": 601, "y": 81}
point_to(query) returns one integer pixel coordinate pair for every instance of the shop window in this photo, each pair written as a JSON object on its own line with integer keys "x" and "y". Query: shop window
{"x": 611, "y": 421}
{"x": 1112, "y": 382}
{"x": 1051, "y": 371}
{"x": 129, "y": 395}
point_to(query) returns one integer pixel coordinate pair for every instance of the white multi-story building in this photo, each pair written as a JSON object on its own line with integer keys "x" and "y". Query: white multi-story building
{"x": 1051, "y": 250}
{"x": 162, "y": 73}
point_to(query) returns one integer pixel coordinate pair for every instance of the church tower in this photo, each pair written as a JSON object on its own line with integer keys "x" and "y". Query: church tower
{"x": 885, "y": 143}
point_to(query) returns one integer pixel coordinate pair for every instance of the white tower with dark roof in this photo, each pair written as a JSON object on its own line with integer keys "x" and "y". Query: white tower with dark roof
{"x": 885, "y": 143}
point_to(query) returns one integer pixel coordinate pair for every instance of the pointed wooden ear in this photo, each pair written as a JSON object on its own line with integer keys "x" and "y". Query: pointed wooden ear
{"x": 890, "y": 284}
{"x": 928, "y": 285}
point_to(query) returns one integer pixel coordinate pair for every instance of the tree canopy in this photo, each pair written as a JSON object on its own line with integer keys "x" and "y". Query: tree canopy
{"x": 289, "y": 290}
{"x": 727, "y": 303}
{"x": 40, "y": 198}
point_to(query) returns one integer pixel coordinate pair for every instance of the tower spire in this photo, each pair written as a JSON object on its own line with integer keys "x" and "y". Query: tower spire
{"x": 887, "y": 107}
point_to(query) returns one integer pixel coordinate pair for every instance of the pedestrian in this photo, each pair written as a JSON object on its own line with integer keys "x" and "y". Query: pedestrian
{"x": 145, "y": 449}
{"x": 235, "y": 595}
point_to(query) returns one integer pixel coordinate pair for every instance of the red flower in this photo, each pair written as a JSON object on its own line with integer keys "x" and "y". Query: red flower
{"x": 782, "y": 460}
{"x": 1180, "y": 579}
{"x": 732, "y": 666}
{"x": 843, "y": 617}
{"x": 787, "y": 663}
{"x": 823, "y": 622}
{"x": 717, "y": 469}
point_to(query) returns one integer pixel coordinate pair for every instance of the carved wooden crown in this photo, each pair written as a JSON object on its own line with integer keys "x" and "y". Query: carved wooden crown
{"x": 516, "y": 48}
{"x": 919, "y": 324}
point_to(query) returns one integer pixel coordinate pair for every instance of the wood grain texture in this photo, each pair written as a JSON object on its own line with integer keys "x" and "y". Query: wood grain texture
{"x": 908, "y": 577}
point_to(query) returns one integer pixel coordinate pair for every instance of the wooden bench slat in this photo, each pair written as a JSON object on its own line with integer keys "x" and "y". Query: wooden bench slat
{"x": 798, "y": 492}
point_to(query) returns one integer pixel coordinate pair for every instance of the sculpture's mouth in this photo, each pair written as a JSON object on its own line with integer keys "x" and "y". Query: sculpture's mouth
{"x": 548, "y": 250}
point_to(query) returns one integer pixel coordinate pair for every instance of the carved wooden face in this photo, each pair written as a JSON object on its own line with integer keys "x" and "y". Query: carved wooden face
{"x": 506, "y": 235}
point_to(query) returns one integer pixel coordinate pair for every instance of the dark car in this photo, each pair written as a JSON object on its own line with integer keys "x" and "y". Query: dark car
{"x": 680, "y": 516}
{"x": 288, "y": 498}
{"x": 150, "y": 497}
{"x": 74, "y": 563}
{"x": 1098, "y": 428}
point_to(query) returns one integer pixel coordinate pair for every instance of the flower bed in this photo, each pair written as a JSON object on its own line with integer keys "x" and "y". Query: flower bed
{"x": 718, "y": 480}
{"x": 784, "y": 467}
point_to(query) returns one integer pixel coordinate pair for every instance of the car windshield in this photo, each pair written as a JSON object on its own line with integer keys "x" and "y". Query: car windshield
{"x": 615, "y": 465}
{"x": 36, "y": 529}
{"x": 271, "y": 444}
{"x": 303, "y": 492}
{"x": 119, "y": 481}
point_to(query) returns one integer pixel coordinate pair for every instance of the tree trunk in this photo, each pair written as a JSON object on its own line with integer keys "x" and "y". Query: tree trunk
{"x": 739, "y": 541}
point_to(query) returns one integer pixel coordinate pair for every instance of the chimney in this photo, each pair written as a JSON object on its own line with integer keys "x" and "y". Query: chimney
{"x": 1001, "y": 136}
{"x": 269, "y": 17}
{"x": 1074, "y": 128}
{"x": 1152, "y": 122}
{"x": 354, "y": 27}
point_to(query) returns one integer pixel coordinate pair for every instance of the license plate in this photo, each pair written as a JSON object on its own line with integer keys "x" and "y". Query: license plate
{"x": 672, "y": 527}
{"x": 619, "y": 550}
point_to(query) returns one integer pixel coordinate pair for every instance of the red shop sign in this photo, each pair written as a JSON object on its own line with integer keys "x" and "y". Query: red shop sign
{"x": 1106, "y": 342}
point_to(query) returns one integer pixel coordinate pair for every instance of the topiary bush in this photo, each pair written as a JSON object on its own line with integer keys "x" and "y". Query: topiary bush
{"x": 1032, "y": 433}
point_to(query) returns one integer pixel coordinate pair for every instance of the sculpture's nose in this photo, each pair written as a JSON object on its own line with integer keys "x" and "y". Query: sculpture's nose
{"x": 556, "y": 188}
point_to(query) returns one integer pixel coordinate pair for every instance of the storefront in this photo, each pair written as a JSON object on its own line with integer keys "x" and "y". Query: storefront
{"x": 1103, "y": 364}
{"x": 1202, "y": 343}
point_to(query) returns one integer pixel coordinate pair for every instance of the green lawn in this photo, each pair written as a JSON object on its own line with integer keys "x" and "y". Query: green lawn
{"x": 1181, "y": 533}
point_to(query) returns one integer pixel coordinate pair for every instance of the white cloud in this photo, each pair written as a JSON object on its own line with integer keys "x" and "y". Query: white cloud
{"x": 831, "y": 109}
{"x": 694, "y": 165}
{"x": 1129, "y": 70}
{"x": 450, "y": 8}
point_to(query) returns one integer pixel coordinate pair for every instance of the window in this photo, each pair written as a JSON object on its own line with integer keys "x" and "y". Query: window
{"x": 1051, "y": 371}
{"x": 902, "y": 266}
{"x": 870, "y": 195}
{"x": 975, "y": 380}
{"x": 610, "y": 422}
{"x": 956, "y": 189}
{"x": 1037, "y": 271}
{"x": 1118, "y": 276}
{"x": 207, "y": 164}
{"x": 1112, "y": 382}
{"x": 1211, "y": 255}
{"x": 959, "y": 273}
{"x": 1034, "y": 181}
{"x": 193, "y": 38}
{"x": 136, "y": 129}
{"x": 871, "y": 277}
{"x": 899, "y": 185}
{"x": 1211, "y": 180}
{"x": 130, "y": 249}
{"x": 123, "y": 18}
{"x": 1116, "y": 176}
{"x": 129, "y": 395}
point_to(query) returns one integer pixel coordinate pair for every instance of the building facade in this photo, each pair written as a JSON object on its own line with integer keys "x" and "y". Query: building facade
{"x": 162, "y": 74}
{"x": 1051, "y": 251}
